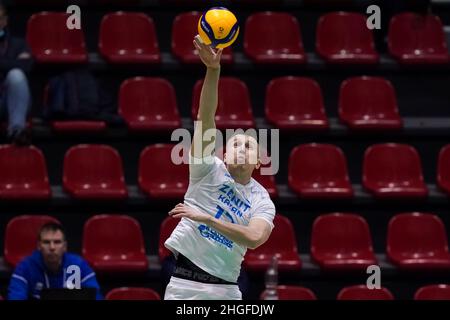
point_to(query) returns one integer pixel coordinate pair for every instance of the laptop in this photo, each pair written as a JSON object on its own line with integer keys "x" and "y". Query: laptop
{"x": 68, "y": 294}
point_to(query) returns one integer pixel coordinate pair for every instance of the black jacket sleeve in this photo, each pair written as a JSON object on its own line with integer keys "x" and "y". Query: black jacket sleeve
{"x": 10, "y": 60}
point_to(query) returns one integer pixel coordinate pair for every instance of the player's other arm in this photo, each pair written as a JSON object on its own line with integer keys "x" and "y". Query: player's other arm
{"x": 252, "y": 236}
{"x": 208, "y": 97}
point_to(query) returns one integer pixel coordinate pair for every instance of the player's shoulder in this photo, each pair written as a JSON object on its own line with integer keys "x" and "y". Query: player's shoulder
{"x": 220, "y": 166}
{"x": 210, "y": 160}
{"x": 256, "y": 186}
{"x": 199, "y": 168}
{"x": 218, "y": 161}
{"x": 259, "y": 191}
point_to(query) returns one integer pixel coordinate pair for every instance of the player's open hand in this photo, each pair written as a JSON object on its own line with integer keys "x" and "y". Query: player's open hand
{"x": 183, "y": 211}
{"x": 209, "y": 56}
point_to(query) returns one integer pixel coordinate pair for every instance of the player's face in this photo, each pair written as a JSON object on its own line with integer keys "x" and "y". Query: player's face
{"x": 52, "y": 246}
{"x": 242, "y": 150}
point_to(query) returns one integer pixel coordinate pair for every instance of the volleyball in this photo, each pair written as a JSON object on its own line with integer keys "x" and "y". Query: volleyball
{"x": 218, "y": 27}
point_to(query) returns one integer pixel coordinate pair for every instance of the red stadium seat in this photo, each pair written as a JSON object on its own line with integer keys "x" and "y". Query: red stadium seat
{"x": 267, "y": 181}
{"x": 273, "y": 37}
{"x": 184, "y": 29}
{"x": 167, "y": 226}
{"x": 94, "y": 172}
{"x": 114, "y": 243}
{"x": 72, "y": 126}
{"x": 363, "y": 293}
{"x": 443, "y": 169}
{"x": 81, "y": 126}
{"x": 295, "y": 103}
{"x": 132, "y": 293}
{"x": 154, "y": 164}
{"x": 234, "y": 108}
{"x": 292, "y": 293}
{"x": 343, "y": 38}
{"x": 369, "y": 103}
{"x": 418, "y": 241}
{"x": 342, "y": 241}
{"x": 21, "y": 236}
{"x": 128, "y": 37}
{"x": 393, "y": 171}
{"x": 148, "y": 104}
{"x": 319, "y": 171}
{"x": 433, "y": 292}
{"x": 417, "y": 39}
{"x": 282, "y": 243}
{"x": 23, "y": 173}
{"x": 52, "y": 42}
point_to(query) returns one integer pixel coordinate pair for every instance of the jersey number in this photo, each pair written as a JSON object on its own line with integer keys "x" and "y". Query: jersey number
{"x": 221, "y": 211}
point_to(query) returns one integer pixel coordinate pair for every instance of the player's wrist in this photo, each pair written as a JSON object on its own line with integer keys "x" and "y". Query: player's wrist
{"x": 209, "y": 219}
{"x": 214, "y": 68}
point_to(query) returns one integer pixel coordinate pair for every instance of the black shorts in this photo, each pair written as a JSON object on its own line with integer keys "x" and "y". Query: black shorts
{"x": 186, "y": 269}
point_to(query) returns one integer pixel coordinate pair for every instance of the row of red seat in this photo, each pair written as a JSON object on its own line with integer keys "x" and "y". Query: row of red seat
{"x": 289, "y": 292}
{"x": 362, "y": 292}
{"x": 269, "y": 37}
{"x": 132, "y": 293}
{"x": 358, "y": 292}
{"x": 339, "y": 241}
{"x": 314, "y": 171}
{"x": 149, "y": 104}
{"x": 390, "y": 170}
{"x": 342, "y": 241}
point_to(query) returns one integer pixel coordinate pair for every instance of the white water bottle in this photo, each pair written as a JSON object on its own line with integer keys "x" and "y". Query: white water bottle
{"x": 271, "y": 280}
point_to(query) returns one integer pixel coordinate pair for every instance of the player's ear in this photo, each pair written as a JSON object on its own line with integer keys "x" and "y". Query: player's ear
{"x": 258, "y": 164}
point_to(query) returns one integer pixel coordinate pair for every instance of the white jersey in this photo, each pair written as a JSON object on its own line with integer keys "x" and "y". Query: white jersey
{"x": 213, "y": 191}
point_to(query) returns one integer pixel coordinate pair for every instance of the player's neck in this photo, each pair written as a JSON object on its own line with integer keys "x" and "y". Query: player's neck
{"x": 240, "y": 176}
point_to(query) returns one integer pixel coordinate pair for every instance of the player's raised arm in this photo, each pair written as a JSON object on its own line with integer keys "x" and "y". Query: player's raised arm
{"x": 208, "y": 97}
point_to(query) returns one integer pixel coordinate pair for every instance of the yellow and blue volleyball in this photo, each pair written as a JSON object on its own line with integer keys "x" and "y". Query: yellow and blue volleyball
{"x": 218, "y": 27}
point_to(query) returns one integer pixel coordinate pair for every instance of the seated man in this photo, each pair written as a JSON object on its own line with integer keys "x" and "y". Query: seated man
{"x": 50, "y": 267}
{"x": 15, "y": 60}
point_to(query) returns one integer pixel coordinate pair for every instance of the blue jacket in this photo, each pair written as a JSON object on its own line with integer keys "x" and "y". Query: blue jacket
{"x": 31, "y": 276}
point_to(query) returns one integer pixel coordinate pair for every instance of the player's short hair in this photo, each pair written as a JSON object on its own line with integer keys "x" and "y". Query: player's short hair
{"x": 51, "y": 226}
